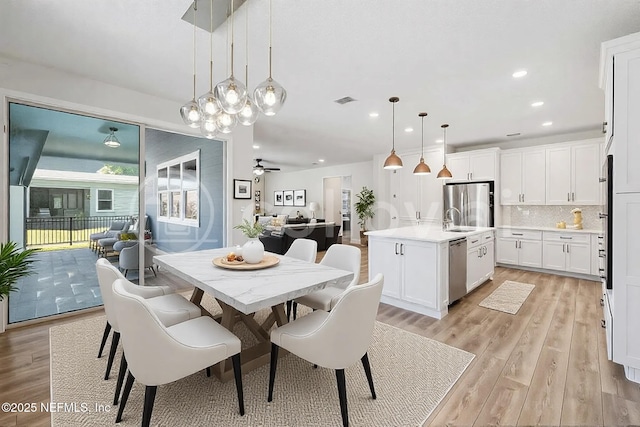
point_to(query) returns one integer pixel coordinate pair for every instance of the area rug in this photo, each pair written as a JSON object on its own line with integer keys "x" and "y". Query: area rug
{"x": 508, "y": 297}
{"x": 412, "y": 374}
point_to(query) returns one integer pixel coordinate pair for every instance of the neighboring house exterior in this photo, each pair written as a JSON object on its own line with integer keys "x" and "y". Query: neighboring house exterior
{"x": 64, "y": 193}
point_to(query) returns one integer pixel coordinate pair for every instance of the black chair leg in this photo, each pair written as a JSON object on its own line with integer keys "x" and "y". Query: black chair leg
{"x": 342, "y": 394}
{"x": 112, "y": 353}
{"x": 123, "y": 370}
{"x": 237, "y": 372}
{"x": 295, "y": 310}
{"x": 154, "y": 272}
{"x": 367, "y": 371}
{"x": 125, "y": 272}
{"x": 272, "y": 370}
{"x": 125, "y": 396}
{"x": 105, "y": 335}
{"x": 289, "y": 303}
{"x": 149, "y": 398}
{"x": 208, "y": 371}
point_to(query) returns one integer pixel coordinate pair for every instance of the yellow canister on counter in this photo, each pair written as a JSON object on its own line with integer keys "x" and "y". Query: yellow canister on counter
{"x": 561, "y": 224}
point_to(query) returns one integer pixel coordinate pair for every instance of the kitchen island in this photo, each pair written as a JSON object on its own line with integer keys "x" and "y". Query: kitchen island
{"x": 415, "y": 264}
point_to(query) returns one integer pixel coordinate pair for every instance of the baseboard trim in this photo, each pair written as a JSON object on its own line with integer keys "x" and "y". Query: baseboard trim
{"x": 557, "y": 272}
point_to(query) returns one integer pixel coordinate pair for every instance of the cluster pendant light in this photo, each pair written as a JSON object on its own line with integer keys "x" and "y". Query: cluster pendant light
{"x": 422, "y": 168}
{"x": 228, "y": 103}
{"x": 393, "y": 161}
{"x": 444, "y": 173}
{"x": 111, "y": 141}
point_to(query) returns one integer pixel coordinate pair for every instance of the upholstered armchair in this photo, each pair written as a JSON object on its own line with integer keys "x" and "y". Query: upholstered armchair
{"x": 159, "y": 355}
{"x": 112, "y": 233}
{"x": 343, "y": 257}
{"x": 335, "y": 339}
{"x": 170, "y": 308}
{"x": 129, "y": 259}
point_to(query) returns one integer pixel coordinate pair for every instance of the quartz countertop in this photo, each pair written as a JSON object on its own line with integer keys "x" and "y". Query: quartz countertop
{"x": 561, "y": 230}
{"x": 427, "y": 233}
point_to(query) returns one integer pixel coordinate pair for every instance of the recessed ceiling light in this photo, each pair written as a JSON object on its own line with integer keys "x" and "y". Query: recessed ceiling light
{"x": 409, "y": 129}
{"x": 374, "y": 114}
{"x": 439, "y": 141}
{"x": 537, "y": 104}
{"x": 547, "y": 123}
{"x": 321, "y": 160}
{"x": 520, "y": 73}
{"x": 256, "y": 146}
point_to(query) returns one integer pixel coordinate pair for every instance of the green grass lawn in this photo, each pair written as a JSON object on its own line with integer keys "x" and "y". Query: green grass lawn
{"x": 59, "y": 239}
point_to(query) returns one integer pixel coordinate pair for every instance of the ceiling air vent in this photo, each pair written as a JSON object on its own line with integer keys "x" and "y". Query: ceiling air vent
{"x": 345, "y": 100}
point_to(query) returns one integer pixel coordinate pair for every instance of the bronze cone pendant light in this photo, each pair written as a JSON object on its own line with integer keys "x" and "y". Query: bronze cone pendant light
{"x": 422, "y": 168}
{"x": 393, "y": 161}
{"x": 444, "y": 173}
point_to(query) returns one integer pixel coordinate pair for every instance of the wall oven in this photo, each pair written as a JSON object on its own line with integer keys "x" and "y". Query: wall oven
{"x": 606, "y": 242}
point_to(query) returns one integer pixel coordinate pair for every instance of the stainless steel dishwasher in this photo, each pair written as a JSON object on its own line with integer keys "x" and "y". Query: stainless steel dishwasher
{"x": 457, "y": 269}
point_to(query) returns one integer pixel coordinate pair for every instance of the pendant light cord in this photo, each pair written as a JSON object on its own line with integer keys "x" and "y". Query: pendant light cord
{"x": 246, "y": 49}
{"x": 270, "y": 39}
{"x": 444, "y": 146}
{"x": 422, "y": 144}
{"x": 393, "y": 126}
{"x": 211, "y": 43}
{"x": 231, "y": 38}
{"x": 195, "y": 8}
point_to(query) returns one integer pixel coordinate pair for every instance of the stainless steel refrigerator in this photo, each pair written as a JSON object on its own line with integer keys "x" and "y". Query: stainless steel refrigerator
{"x": 468, "y": 204}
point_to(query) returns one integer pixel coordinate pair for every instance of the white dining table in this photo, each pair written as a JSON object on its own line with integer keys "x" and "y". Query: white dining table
{"x": 241, "y": 293}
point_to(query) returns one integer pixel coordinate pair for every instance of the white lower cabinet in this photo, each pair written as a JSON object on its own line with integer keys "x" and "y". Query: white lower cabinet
{"x": 519, "y": 247}
{"x": 409, "y": 268}
{"x": 567, "y": 252}
{"x": 480, "y": 259}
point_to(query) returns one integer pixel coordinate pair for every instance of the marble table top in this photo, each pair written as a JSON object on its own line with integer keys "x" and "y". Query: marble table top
{"x": 252, "y": 290}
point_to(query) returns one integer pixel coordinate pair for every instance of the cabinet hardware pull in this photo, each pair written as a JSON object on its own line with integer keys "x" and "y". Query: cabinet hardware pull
{"x": 401, "y": 248}
{"x": 573, "y": 197}
{"x": 487, "y": 237}
{"x": 479, "y": 252}
{"x": 602, "y": 179}
{"x": 568, "y": 197}
{"x": 563, "y": 245}
{"x": 520, "y": 244}
{"x": 473, "y": 241}
{"x": 396, "y": 249}
{"x": 601, "y": 302}
{"x": 600, "y": 237}
{"x": 601, "y": 216}
{"x": 484, "y": 250}
{"x": 565, "y": 237}
{"x": 516, "y": 244}
{"x": 603, "y": 323}
{"x": 604, "y": 127}
{"x": 601, "y": 270}
{"x": 516, "y": 234}
{"x": 568, "y": 248}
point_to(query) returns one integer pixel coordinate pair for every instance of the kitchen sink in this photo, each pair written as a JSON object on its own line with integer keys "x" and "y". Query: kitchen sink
{"x": 460, "y": 230}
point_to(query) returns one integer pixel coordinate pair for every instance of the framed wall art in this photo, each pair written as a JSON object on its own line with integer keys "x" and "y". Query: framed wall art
{"x": 300, "y": 198}
{"x": 241, "y": 189}
{"x": 278, "y": 198}
{"x": 288, "y": 197}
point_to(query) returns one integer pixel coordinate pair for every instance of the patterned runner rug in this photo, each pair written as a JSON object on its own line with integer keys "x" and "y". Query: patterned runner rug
{"x": 508, "y": 297}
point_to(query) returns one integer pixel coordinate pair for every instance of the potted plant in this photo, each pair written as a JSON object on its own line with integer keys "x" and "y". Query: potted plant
{"x": 253, "y": 250}
{"x": 14, "y": 264}
{"x": 364, "y": 210}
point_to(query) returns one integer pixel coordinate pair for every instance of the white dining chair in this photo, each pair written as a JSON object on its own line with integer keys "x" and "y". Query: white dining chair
{"x": 159, "y": 355}
{"x": 171, "y": 308}
{"x": 335, "y": 339}
{"x": 343, "y": 257}
{"x": 305, "y": 250}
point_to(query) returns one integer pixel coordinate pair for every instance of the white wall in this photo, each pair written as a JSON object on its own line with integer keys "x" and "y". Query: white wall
{"x": 311, "y": 180}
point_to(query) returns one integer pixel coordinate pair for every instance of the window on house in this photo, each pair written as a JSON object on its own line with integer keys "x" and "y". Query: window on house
{"x": 105, "y": 200}
{"x": 179, "y": 190}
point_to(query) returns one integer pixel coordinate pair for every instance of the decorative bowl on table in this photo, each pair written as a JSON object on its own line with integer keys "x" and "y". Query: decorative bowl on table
{"x": 233, "y": 264}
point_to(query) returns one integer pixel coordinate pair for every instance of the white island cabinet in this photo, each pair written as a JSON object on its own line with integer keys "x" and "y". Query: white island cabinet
{"x": 415, "y": 265}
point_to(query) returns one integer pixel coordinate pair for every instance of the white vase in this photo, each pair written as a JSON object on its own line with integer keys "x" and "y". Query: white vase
{"x": 253, "y": 251}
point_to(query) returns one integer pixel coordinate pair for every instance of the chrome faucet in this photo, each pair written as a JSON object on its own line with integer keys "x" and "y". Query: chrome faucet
{"x": 446, "y": 222}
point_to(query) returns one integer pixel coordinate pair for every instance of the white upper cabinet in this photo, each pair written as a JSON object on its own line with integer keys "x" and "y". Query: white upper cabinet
{"x": 522, "y": 177}
{"x": 477, "y": 165}
{"x": 572, "y": 174}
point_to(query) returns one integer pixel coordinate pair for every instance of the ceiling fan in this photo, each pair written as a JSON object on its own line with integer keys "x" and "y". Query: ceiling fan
{"x": 259, "y": 169}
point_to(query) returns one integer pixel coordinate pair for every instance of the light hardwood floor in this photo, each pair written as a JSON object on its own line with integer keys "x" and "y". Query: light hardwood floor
{"x": 546, "y": 365}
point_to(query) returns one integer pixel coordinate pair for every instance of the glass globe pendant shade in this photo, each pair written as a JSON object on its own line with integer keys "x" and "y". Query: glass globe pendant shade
{"x": 208, "y": 104}
{"x": 226, "y": 122}
{"x": 269, "y": 96}
{"x": 249, "y": 114}
{"x": 208, "y": 127}
{"x": 190, "y": 114}
{"x": 231, "y": 95}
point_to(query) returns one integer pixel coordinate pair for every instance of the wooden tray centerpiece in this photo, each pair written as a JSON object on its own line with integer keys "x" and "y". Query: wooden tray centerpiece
{"x": 267, "y": 261}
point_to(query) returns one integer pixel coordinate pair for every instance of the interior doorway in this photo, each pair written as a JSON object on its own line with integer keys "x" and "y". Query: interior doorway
{"x": 337, "y": 203}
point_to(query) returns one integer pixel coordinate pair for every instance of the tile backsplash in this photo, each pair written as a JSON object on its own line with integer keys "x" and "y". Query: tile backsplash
{"x": 548, "y": 216}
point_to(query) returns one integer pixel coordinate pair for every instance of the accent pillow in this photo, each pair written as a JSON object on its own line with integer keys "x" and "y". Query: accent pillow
{"x": 128, "y": 236}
